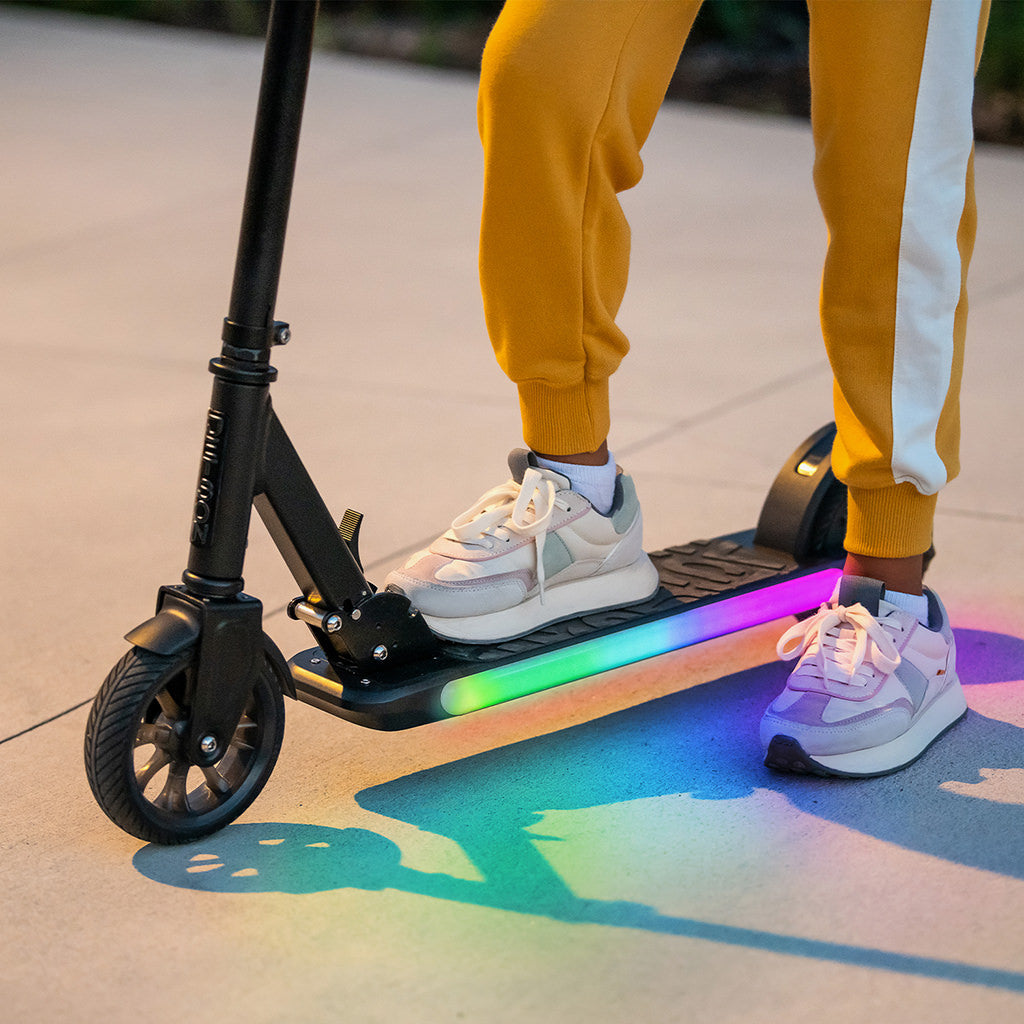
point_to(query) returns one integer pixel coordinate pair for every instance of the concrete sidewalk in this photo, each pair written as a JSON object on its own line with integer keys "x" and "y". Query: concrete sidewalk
{"x": 613, "y": 850}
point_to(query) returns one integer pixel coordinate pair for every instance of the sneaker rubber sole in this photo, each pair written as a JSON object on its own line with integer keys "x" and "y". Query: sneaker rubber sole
{"x": 786, "y": 754}
{"x": 618, "y": 589}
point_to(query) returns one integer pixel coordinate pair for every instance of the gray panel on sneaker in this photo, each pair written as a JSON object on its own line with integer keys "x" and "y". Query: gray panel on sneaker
{"x": 556, "y": 555}
{"x": 624, "y": 508}
{"x": 914, "y": 681}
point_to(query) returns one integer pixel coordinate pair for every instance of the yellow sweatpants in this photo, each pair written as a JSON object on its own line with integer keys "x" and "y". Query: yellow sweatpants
{"x": 569, "y": 91}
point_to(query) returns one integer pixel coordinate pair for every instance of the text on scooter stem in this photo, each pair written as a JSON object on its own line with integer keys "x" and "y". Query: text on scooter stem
{"x": 209, "y": 472}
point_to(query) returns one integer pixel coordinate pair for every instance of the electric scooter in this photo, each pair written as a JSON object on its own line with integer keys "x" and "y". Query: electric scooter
{"x": 186, "y": 729}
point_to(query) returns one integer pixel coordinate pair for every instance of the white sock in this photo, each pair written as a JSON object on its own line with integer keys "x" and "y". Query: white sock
{"x": 595, "y": 483}
{"x": 915, "y": 604}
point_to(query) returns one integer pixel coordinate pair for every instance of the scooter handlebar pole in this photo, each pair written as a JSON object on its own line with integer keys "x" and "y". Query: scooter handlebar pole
{"x": 250, "y": 320}
{"x": 240, "y": 405}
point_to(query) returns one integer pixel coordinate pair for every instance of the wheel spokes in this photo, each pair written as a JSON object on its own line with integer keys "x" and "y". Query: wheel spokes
{"x": 144, "y": 775}
{"x": 158, "y": 733}
{"x": 169, "y": 706}
{"x": 173, "y": 798}
{"x": 216, "y": 782}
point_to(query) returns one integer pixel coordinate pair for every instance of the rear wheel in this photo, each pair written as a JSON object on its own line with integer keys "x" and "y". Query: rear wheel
{"x": 135, "y": 750}
{"x": 805, "y": 511}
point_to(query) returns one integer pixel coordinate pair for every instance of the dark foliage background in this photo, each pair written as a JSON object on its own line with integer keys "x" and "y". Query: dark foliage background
{"x": 743, "y": 53}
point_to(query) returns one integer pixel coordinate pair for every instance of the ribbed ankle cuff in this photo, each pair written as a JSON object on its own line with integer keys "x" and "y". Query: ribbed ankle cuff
{"x": 889, "y": 522}
{"x": 565, "y": 421}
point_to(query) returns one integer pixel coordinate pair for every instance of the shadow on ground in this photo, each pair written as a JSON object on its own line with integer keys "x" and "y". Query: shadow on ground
{"x": 700, "y": 742}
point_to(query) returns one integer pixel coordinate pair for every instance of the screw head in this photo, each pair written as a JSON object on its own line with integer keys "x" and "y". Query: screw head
{"x": 380, "y": 652}
{"x": 332, "y": 623}
{"x": 208, "y": 744}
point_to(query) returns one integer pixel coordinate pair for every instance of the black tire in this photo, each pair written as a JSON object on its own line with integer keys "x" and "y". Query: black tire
{"x": 133, "y": 758}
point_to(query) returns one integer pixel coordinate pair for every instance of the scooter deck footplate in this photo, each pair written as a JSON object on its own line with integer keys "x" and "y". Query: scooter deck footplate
{"x": 708, "y": 588}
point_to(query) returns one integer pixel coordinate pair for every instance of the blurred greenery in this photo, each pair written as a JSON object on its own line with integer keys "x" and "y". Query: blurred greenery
{"x": 1002, "y": 64}
{"x": 748, "y": 23}
{"x": 740, "y": 32}
{"x": 244, "y": 17}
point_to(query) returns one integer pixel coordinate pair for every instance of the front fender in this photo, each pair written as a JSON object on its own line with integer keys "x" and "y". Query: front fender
{"x": 175, "y": 627}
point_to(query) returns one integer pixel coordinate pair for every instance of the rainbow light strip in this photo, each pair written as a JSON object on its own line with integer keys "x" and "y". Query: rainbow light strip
{"x": 494, "y": 686}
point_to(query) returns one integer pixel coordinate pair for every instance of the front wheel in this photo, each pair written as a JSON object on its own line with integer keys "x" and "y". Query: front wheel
{"x": 135, "y": 750}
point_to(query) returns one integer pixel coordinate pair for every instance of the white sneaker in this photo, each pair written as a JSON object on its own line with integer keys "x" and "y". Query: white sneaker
{"x": 529, "y": 553}
{"x": 873, "y": 688}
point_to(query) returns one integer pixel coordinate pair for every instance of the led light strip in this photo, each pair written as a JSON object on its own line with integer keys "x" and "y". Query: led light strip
{"x": 494, "y": 686}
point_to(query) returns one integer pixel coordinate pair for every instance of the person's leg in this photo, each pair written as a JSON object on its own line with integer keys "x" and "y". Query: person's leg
{"x": 891, "y": 108}
{"x": 892, "y": 85}
{"x": 569, "y": 90}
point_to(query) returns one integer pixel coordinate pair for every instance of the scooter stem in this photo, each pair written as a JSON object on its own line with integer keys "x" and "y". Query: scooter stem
{"x": 240, "y": 411}
{"x": 250, "y": 320}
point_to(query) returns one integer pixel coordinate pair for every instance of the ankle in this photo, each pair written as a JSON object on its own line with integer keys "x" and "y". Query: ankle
{"x": 595, "y": 482}
{"x": 598, "y": 457}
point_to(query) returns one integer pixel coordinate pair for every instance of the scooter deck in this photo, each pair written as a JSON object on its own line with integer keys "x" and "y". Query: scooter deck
{"x": 708, "y": 588}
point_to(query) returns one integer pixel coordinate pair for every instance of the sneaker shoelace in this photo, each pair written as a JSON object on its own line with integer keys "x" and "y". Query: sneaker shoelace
{"x": 845, "y": 645}
{"x": 523, "y": 510}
